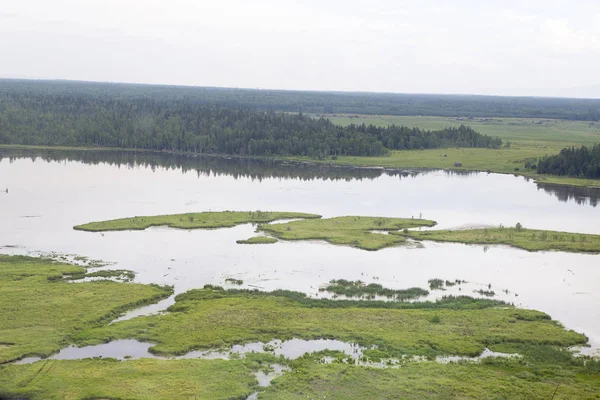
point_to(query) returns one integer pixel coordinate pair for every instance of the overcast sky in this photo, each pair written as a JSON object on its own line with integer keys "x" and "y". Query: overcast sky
{"x": 506, "y": 47}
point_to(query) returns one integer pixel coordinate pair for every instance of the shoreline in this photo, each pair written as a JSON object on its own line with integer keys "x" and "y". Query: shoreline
{"x": 538, "y": 179}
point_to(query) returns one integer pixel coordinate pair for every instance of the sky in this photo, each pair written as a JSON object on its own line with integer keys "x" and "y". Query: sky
{"x": 495, "y": 47}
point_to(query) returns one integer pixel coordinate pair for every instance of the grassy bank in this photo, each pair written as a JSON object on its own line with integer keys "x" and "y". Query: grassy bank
{"x": 138, "y": 379}
{"x": 527, "y": 239}
{"x": 208, "y": 318}
{"x": 351, "y": 231}
{"x": 203, "y": 220}
{"x": 257, "y": 240}
{"x": 39, "y": 311}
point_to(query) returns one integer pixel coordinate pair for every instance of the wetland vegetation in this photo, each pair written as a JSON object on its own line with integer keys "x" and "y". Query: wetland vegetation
{"x": 203, "y": 220}
{"x": 366, "y": 233}
{"x": 133, "y": 379}
{"x": 492, "y": 379}
{"x": 40, "y": 311}
{"x": 360, "y": 289}
{"x": 45, "y": 313}
{"x": 352, "y": 231}
{"x": 213, "y": 318}
{"x": 257, "y": 240}
{"x": 526, "y": 239}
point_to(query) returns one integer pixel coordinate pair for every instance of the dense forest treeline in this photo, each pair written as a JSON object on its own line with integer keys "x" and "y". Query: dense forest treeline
{"x": 37, "y": 117}
{"x": 583, "y": 162}
{"x": 326, "y": 102}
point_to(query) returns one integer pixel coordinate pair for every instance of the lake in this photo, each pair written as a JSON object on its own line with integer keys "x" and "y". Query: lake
{"x": 51, "y": 191}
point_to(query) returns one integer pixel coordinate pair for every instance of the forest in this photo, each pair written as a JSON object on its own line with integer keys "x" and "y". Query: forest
{"x": 583, "y": 162}
{"x": 38, "y": 117}
{"x": 325, "y": 102}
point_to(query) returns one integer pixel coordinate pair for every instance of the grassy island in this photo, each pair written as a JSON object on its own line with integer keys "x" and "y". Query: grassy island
{"x": 203, "y": 220}
{"x": 352, "y": 231}
{"x": 257, "y": 240}
{"x": 367, "y": 233}
{"x": 527, "y": 239}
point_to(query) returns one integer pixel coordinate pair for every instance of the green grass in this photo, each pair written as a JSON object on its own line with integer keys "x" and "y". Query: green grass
{"x": 39, "y": 311}
{"x": 352, "y": 231}
{"x": 207, "y": 318}
{"x": 360, "y": 289}
{"x": 203, "y": 220}
{"x": 136, "y": 379}
{"x": 258, "y": 240}
{"x": 528, "y": 140}
{"x": 428, "y": 380}
{"x": 527, "y": 239}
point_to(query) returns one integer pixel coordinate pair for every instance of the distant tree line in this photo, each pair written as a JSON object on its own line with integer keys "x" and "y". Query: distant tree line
{"x": 583, "y": 162}
{"x": 326, "y": 102}
{"x": 36, "y": 117}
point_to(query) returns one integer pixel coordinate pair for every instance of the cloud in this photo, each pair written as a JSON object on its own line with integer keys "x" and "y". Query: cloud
{"x": 560, "y": 37}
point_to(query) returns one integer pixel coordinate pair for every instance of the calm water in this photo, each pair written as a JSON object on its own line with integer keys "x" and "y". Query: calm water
{"x": 50, "y": 192}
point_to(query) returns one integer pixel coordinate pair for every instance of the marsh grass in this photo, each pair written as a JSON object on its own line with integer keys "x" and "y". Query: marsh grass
{"x": 258, "y": 240}
{"x": 203, "y": 220}
{"x": 132, "y": 379}
{"x": 360, "y": 289}
{"x": 117, "y": 274}
{"x": 430, "y": 380}
{"x": 527, "y": 239}
{"x": 352, "y": 231}
{"x": 207, "y": 318}
{"x": 40, "y": 311}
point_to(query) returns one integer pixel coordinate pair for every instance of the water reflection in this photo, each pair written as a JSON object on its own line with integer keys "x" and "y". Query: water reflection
{"x": 261, "y": 168}
{"x": 580, "y": 195}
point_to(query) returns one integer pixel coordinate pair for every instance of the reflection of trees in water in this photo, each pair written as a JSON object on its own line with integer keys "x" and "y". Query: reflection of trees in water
{"x": 580, "y": 195}
{"x": 255, "y": 169}
{"x": 260, "y": 169}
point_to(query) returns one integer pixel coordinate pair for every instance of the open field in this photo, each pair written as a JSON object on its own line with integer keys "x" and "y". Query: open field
{"x": 204, "y": 220}
{"x": 527, "y": 239}
{"x": 207, "y": 318}
{"x": 39, "y": 311}
{"x": 533, "y": 131}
